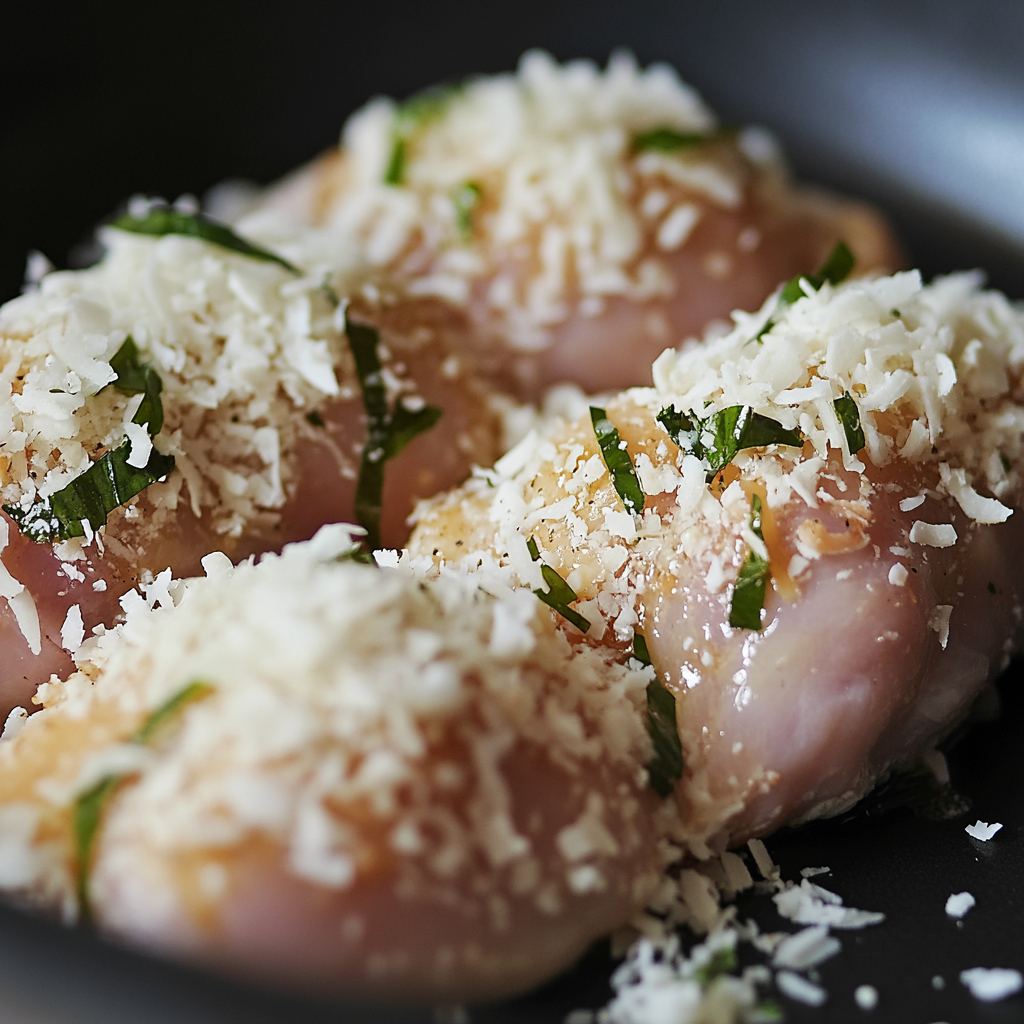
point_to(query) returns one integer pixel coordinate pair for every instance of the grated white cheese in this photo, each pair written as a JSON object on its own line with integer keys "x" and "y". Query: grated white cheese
{"x": 990, "y": 984}
{"x": 983, "y": 830}
{"x": 959, "y": 903}
{"x": 800, "y": 989}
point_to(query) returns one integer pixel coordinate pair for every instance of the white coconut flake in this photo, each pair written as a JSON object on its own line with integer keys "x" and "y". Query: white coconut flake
{"x": 800, "y": 989}
{"x": 866, "y": 997}
{"x": 939, "y": 621}
{"x": 768, "y": 868}
{"x": 808, "y": 903}
{"x": 983, "y": 830}
{"x": 72, "y": 633}
{"x": 806, "y": 949}
{"x": 933, "y": 535}
{"x": 959, "y": 903}
{"x": 990, "y": 984}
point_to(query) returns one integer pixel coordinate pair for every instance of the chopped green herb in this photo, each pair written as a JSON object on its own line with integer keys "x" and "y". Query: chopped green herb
{"x": 88, "y": 813}
{"x": 666, "y": 767}
{"x": 466, "y": 197}
{"x": 767, "y": 1012}
{"x": 163, "y": 714}
{"x": 640, "y": 651}
{"x": 559, "y": 594}
{"x": 749, "y": 590}
{"x": 895, "y": 312}
{"x": 616, "y": 458}
{"x": 387, "y": 431}
{"x": 134, "y": 377}
{"x": 836, "y": 268}
{"x": 1004, "y": 462}
{"x": 410, "y": 117}
{"x": 107, "y": 484}
{"x": 670, "y": 140}
{"x": 722, "y": 962}
{"x": 717, "y": 439}
{"x": 849, "y": 416}
{"x": 992, "y": 588}
{"x": 314, "y": 419}
{"x": 165, "y": 220}
{"x": 89, "y": 806}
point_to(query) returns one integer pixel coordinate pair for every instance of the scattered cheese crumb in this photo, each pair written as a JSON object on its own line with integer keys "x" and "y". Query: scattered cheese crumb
{"x": 990, "y": 984}
{"x": 959, "y": 903}
{"x": 800, "y": 989}
{"x": 934, "y": 535}
{"x": 866, "y": 997}
{"x": 983, "y": 830}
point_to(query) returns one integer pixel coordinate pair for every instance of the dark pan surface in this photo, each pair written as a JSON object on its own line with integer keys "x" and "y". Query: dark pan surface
{"x": 917, "y": 105}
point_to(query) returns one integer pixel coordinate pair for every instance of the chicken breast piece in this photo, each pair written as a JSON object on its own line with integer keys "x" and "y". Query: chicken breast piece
{"x": 341, "y": 777}
{"x": 582, "y": 219}
{"x": 263, "y": 415}
{"x": 819, "y": 578}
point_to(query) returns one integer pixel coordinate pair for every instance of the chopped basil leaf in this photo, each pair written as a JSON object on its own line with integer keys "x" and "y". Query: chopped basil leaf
{"x": 466, "y": 197}
{"x": 717, "y": 439}
{"x": 666, "y": 767}
{"x": 163, "y": 714}
{"x": 314, "y": 419}
{"x": 722, "y": 962}
{"x": 749, "y": 590}
{"x": 90, "y": 805}
{"x": 895, "y": 312}
{"x": 767, "y": 1012}
{"x": 1004, "y": 462}
{"x": 135, "y": 377}
{"x": 559, "y": 594}
{"x": 670, "y": 140}
{"x": 836, "y": 269}
{"x": 165, "y": 220}
{"x": 640, "y": 651}
{"x": 616, "y": 458}
{"x": 849, "y": 416}
{"x": 107, "y": 484}
{"x": 413, "y": 114}
{"x": 387, "y": 431}
{"x": 88, "y": 812}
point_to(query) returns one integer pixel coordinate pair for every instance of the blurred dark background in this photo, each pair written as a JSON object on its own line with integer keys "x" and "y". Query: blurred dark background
{"x": 916, "y": 104}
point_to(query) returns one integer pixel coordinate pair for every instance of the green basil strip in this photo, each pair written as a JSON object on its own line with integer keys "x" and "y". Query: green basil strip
{"x": 466, "y": 197}
{"x": 90, "y": 805}
{"x": 837, "y": 268}
{"x": 731, "y": 430}
{"x": 666, "y": 767}
{"x": 134, "y": 377}
{"x": 559, "y": 594}
{"x": 640, "y": 651}
{"x": 722, "y": 962}
{"x": 165, "y": 220}
{"x": 670, "y": 140}
{"x": 849, "y": 415}
{"x": 163, "y": 714}
{"x": 752, "y": 582}
{"x": 387, "y": 431}
{"x": 107, "y": 484}
{"x": 616, "y": 458}
{"x": 87, "y": 816}
{"x": 412, "y": 115}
